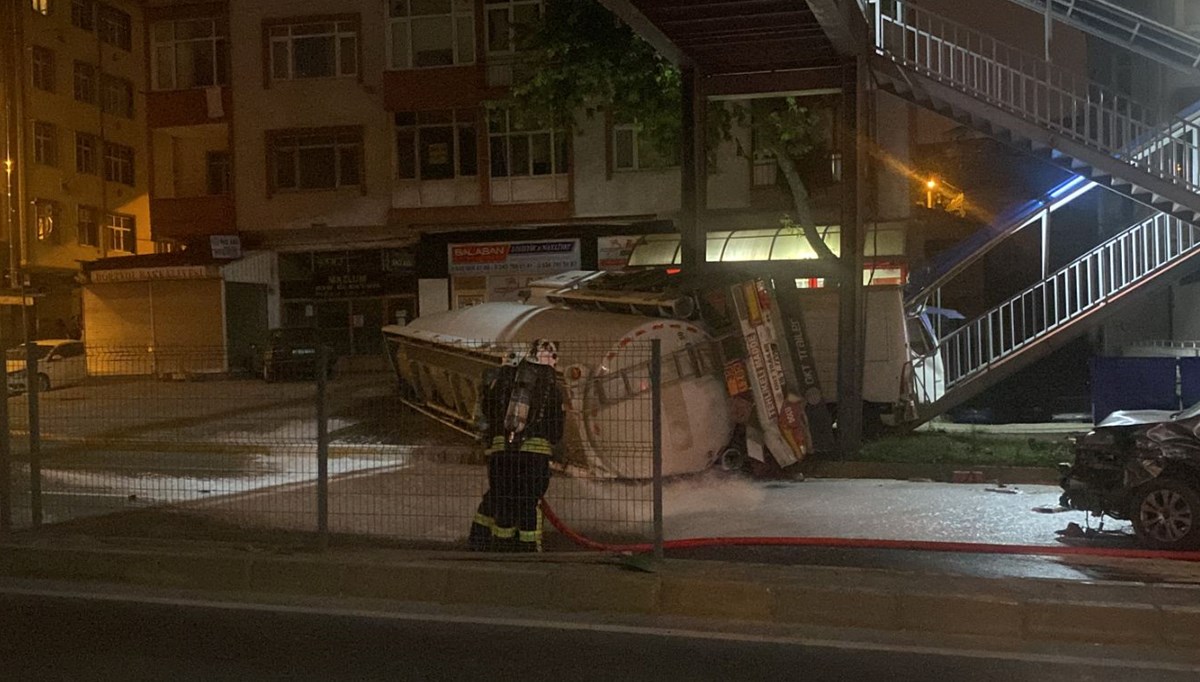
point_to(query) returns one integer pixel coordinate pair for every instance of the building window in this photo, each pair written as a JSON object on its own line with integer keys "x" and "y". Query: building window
{"x": 43, "y": 68}
{"x": 86, "y": 151}
{"x": 115, "y": 27}
{"x": 43, "y": 7}
{"x": 437, "y": 145}
{"x": 119, "y": 232}
{"x": 167, "y": 246}
{"x": 190, "y": 53}
{"x": 217, "y": 172}
{"x": 631, "y": 150}
{"x": 83, "y": 14}
{"x": 317, "y": 50}
{"x": 85, "y": 82}
{"x": 431, "y": 33}
{"x": 520, "y": 145}
{"x": 45, "y": 143}
{"x": 315, "y": 160}
{"x": 116, "y": 96}
{"x": 506, "y": 19}
{"x": 45, "y": 218}
{"x": 118, "y": 163}
{"x": 89, "y": 226}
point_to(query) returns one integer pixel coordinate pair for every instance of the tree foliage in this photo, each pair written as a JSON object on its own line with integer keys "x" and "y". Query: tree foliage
{"x": 581, "y": 60}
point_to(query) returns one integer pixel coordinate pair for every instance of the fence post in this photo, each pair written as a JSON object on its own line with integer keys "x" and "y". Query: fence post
{"x": 6, "y": 501}
{"x": 322, "y": 449}
{"x": 35, "y": 439}
{"x": 656, "y": 430}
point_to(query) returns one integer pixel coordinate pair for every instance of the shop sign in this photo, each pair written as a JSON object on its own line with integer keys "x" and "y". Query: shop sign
{"x": 225, "y": 246}
{"x": 339, "y": 286}
{"x": 548, "y": 256}
{"x": 612, "y": 253}
{"x": 147, "y": 274}
{"x": 357, "y": 285}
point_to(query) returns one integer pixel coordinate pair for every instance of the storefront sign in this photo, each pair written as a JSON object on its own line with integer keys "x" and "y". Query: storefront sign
{"x": 147, "y": 274}
{"x": 612, "y": 253}
{"x": 225, "y": 246}
{"x": 531, "y": 257}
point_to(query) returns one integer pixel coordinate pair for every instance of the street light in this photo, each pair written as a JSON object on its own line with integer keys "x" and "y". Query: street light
{"x": 930, "y": 185}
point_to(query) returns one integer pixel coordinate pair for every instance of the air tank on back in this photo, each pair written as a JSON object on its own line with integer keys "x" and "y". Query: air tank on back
{"x": 604, "y": 365}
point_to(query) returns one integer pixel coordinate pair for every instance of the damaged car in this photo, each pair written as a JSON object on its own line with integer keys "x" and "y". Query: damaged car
{"x": 1142, "y": 466}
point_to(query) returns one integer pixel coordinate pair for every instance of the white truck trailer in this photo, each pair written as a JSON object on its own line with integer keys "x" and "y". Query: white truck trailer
{"x": 443, "y": 360}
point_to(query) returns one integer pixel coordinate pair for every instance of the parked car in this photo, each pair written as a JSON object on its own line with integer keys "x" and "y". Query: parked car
{"x": 60, "y": 362}
{"x": 289, "y": 354}
{"x": 1144, "y": 466}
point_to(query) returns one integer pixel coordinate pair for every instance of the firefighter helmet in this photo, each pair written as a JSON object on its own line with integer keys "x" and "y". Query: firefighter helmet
{"x": 544, "y": 352}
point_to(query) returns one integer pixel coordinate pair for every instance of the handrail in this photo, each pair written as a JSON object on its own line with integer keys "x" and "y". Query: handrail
{"x": 1037, "y": 91}
{"x": 1125, "y": 28}
{"x": 1078, "y": 288}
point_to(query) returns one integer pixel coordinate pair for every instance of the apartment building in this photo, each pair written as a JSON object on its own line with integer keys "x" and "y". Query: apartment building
{"x": 75, "y": 116}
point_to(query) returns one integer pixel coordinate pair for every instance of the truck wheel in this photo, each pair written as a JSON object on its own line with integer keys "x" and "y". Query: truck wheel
{"x": 1166, "y": 515}
{"x": 732, "y": 459}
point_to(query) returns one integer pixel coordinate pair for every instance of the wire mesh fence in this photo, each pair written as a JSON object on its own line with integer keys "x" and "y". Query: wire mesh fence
{"x": 128, "y": 433}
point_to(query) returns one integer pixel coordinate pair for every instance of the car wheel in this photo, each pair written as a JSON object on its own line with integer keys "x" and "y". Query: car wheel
{"x": 1166, "y": 515}
{"x": 43, "y": 383}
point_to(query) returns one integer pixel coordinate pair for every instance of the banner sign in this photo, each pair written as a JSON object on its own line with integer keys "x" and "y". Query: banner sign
{"x": 531, "y": 257}
{"x": 147, "y": 274}
{"x": 612, "y": 253}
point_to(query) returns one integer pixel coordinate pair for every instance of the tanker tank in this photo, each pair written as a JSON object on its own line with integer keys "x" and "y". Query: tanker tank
{"x": 442, "y": 360}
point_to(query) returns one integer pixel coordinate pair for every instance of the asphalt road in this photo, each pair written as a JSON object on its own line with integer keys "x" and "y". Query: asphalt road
{"x": 129, "y": 636}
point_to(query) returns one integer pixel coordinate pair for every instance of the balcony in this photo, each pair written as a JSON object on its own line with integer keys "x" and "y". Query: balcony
{"x": 180, "y": 218}
{"x": 173, "y": 108}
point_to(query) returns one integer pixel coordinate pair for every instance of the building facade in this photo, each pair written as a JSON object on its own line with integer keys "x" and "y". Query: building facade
{"x": 74, "y": 112}
{"x": 351, "y": 141}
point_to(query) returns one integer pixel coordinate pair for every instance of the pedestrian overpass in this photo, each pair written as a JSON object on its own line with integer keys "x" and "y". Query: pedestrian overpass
{"x": 1105, "y": 139}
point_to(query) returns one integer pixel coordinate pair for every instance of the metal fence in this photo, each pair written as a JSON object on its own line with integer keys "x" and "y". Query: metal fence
{"x": 140, "y": 438}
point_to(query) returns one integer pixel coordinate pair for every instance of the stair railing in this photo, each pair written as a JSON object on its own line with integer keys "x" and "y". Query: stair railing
{"x": 1126, "y": 28}
{"x": 1077, "y": 289}
{"x": 1037, "y": 91}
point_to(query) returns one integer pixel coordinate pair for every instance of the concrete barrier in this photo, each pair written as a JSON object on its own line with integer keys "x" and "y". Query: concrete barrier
{"x": 1032, "y": 610}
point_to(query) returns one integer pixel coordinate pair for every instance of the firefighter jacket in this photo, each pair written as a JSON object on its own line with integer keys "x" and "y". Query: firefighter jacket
{"x": 544, "y": 425}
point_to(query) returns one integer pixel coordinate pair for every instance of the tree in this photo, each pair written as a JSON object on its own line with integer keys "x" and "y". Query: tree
{"x": 579, "y": 59}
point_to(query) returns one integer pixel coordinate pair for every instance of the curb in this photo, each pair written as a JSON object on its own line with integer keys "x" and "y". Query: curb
{"x": 934, "y": 472}
{"x": 1028, "y": 610}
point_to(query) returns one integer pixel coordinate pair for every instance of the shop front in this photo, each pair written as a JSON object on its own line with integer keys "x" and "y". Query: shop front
{"x": 486, "y": 272}
{"x": 348, "y": 296}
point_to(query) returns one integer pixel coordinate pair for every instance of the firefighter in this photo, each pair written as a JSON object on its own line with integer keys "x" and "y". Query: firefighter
{"x": 523, "y": 409}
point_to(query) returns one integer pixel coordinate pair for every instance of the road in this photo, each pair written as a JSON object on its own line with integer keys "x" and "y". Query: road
{"x": 49, "y": 633}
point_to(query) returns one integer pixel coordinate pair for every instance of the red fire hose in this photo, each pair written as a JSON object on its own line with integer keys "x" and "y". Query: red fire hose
{"x": 862, "y": 543}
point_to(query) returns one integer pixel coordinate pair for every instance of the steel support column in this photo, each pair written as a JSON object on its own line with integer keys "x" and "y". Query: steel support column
{"x": 693, "y": 173}
{"x": 850, "y": 313}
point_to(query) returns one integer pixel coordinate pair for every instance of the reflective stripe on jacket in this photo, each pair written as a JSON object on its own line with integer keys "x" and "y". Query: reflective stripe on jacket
{"x": 533, "y": 444}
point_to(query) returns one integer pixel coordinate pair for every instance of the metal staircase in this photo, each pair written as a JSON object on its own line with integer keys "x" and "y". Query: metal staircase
{"x": 925, "y": 283}
{"x": 1102, "y": 137}
{"x": 1125, "y": 28}
{"x": 1040, "y": 319}
{"x": 1039, "y": 108}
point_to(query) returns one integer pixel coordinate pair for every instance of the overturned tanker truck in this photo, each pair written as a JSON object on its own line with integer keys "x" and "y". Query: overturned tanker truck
{"x": 740, "y": 377}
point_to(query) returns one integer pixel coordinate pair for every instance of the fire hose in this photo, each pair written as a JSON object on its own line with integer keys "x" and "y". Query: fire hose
{"x": 862, "y": 543}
